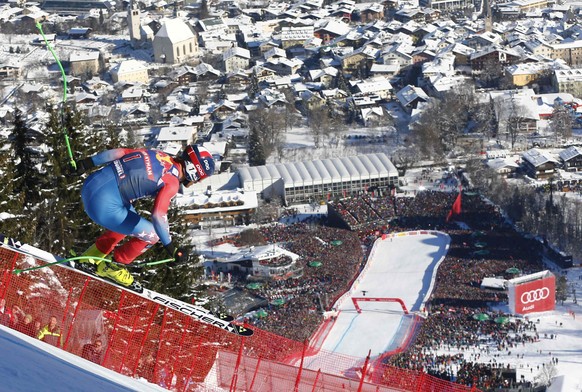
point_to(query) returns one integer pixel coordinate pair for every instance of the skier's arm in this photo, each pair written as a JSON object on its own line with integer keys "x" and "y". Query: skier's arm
{"x": 99, "y": 159}
{"x": 161, "y": 205}
{"x": 110, "y": 155}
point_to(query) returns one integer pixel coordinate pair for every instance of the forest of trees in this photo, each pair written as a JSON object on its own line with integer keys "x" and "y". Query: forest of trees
{"x": 41, "y": 202}
{"x": 535, "y": 210}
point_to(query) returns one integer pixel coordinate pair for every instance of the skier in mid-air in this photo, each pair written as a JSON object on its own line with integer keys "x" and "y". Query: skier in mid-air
{"x": 129, "y": 175}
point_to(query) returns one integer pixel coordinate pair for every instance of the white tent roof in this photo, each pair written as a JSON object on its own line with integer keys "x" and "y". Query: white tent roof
{"x": 320, "y": 171}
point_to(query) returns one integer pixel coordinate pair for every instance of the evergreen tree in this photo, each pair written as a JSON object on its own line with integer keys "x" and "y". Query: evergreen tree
{"x": 62, "y": 219}
{"x": 254, "y": 89}
{"x": 28, "y": 179}
{"x": 256, "y": 151}
{"x": 195, "y": 106}
{"x": 15, "y": 222}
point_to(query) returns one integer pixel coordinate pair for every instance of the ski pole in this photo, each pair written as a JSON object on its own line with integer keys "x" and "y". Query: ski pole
{"x": 63, "y": 75}
{"x": 150, "y": 263}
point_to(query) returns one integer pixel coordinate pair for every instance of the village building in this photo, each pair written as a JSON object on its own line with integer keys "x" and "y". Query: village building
{"x": 130, "y": 71}
{"x": 539, "y": 164}
{"x": 84, "y": 63}
{"x": 236, "y": 59}
{"x": 175, "y": 42}
{"x": 220, "y": 208}
{"x": 568, "y": 81}
{"x": 571, "y": 158}
{"x": 266, "y": 262}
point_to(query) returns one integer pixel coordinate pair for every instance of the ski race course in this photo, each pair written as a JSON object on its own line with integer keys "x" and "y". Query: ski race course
{"x": 402, "y": 266}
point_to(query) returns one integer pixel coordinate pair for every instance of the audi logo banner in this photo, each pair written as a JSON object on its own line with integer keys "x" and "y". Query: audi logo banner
{"x": 536, "y": 295}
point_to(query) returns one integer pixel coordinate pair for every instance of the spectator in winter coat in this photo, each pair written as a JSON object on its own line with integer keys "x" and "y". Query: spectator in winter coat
{"x": 51, "y": 333}
{"x": 93, "y": 351}
{"x": 16, "y": 316}
{"x": 26, "y": 326}
{"x": 5, "y": 313}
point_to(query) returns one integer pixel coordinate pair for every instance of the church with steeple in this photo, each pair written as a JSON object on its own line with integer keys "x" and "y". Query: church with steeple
{"x": 134, "y": 24}
{"x": 175, "y": 42}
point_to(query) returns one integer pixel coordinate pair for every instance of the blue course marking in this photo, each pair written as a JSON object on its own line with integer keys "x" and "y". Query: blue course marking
{"x": 339, "y": 341}
{"x": 345, "y": 333}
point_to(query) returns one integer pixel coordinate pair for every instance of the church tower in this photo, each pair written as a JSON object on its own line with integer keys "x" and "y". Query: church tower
{"x": 488, "y": 16}
{"x": 134, "y": 24}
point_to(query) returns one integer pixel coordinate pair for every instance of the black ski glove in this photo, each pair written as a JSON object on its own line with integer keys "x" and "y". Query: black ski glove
{"x": 179, "y": 254}
{"x": 82, "y": 166}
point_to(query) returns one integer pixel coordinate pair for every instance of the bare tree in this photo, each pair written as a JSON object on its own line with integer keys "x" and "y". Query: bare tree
{"x": 269, "y": 124}
{"x": 561, "y": 122}
{"x": 426, "y": 134}
{"x": 546, "y": 375}
{"x": 319, "y": 123}
{"x": 513, "y": 115}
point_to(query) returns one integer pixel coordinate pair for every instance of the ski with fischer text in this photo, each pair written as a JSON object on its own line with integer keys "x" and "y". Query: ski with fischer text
{"x": 199, "y": 313}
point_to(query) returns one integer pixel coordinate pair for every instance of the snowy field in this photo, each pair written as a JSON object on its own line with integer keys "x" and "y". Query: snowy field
{"x": 27, "y": 364}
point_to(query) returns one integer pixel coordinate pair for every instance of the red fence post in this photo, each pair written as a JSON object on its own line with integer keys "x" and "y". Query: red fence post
{"x": 114, "y": 327}
{"x": 65, "y": 345}
{"x": 156, "y": 379}
{"x": 64, "y": 317}
{"x": 255, "y": 374}
{"x": 420, "y": 382}
{"x": 298, "y": 379}
{"x": 8, "y": 275}
{"x": 187, "y": 382}
{"x": 147, "y": 332}
{"x": 235, "y": 374}
{"x": 316, "y": 379}
{"x": 364, "y": 370}
{"x": 122, "y": 362}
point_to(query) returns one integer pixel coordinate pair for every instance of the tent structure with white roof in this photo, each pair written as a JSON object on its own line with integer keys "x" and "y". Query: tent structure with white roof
{"x": 300, "y": 181}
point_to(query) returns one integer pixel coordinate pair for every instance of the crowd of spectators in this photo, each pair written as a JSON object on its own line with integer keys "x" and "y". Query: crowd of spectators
{"x": 485, "y": 246}
{"x": 16, "y": 318}
{"x": 339, "y": 256}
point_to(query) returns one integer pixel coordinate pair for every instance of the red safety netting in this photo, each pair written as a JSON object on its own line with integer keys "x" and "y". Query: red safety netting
{"x": 143, "y": 339}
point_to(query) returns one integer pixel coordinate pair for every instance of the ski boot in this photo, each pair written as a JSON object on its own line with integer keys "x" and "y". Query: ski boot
{"x": 115, "y": 272}
{"x": 87, "y": 263}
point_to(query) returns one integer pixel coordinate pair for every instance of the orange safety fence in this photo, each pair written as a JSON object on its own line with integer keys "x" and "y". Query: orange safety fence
{"x": 146, "y": 340}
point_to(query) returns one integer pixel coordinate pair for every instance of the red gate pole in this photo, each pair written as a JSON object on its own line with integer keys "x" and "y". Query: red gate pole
{"x": 420, "y": 382}
{"x": 316, "y": 379}
{"x": 8, "y": 275}
{"x": 255, "y": 374}
{"x": 65, "y": 316}
{"x": 114, "y": 327}
{"x": 298, "y": 379}
{"x": 235, "y": 374}
{"x": 128, "y": 345}
{"x": 156, "y": 381}
{"x": 364, "y": 370}
{"x": 79, "y": 301}
{"x": 145, "y": 336}
{"x": 180, "y": 347}
{"x": 193, "y": 363}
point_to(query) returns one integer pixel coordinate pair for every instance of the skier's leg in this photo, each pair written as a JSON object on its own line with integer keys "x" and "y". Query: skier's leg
{"x": 108, "y": 241}
{"x": 105, "y": 206}
{"x": 102, "y": 247}
{"x": 143, "y": 237}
